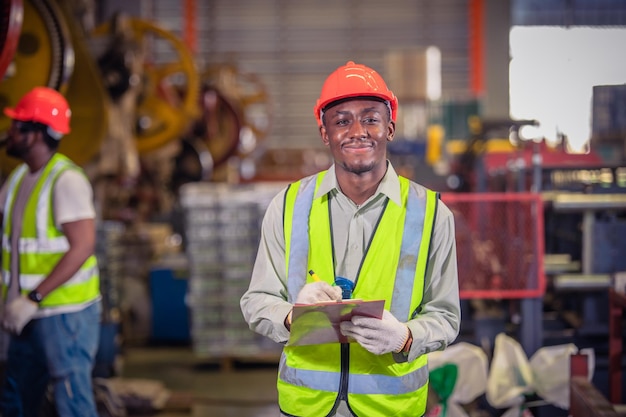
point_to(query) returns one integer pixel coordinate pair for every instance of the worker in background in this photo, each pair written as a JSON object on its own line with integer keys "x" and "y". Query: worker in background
{"x": 392, "y": 238}
{"x": 51, "y": 283}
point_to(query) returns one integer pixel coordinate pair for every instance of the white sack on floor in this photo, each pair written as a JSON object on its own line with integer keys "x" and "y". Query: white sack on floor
{"x": 512, "y": 375}
{"x": 471, "y": 376}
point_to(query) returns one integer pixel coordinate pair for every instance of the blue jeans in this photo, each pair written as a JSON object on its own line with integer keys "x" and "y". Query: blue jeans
{"x": 59, "y": 350}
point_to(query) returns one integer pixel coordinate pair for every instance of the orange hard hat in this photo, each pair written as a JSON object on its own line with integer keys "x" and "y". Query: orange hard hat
{"x": 354, "y": 80}
{"x": 43, "y": 105}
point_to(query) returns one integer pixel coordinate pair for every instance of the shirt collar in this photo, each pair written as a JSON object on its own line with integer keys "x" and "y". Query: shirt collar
{"x": 389, "y": 186}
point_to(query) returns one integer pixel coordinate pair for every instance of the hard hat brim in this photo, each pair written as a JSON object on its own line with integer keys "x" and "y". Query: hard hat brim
{"x": 10, "y": 113}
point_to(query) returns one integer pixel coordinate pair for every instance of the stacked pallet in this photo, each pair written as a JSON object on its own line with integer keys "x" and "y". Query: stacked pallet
{"x": 221, "y": 235}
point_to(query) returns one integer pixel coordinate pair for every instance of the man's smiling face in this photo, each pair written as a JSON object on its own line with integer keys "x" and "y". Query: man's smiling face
{"x": 357, "y": 132}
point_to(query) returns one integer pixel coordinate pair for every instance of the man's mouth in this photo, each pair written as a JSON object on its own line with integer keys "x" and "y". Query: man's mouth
{"x": 356, "y": 146}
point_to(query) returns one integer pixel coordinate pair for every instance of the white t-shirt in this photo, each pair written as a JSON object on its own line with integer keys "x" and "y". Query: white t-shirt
{"x": 72, "y": 194}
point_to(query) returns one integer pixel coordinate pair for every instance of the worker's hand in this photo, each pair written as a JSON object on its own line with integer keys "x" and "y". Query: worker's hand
{"x": 378, "y": 336}
{"x": 318, "y": 291}
{"x": 18, "y": 313}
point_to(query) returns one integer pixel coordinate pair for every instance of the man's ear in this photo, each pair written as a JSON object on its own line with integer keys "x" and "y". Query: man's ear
{"x": 324, "y": 135}
{"x": 391, "y": 131}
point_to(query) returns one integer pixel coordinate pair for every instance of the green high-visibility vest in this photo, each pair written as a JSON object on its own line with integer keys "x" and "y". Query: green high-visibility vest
{"x": 313, "y": 379}
{"x": 42, "y": 243}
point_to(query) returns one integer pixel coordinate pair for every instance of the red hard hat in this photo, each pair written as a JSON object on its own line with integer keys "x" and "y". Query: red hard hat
{"x": 43, "y": 105}
{"x": 354, "y": 80}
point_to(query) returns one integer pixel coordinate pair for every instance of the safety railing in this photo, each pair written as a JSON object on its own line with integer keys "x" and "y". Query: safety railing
{"x": 500, "y": 244}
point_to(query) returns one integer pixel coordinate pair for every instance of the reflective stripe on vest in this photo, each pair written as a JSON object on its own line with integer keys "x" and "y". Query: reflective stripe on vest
{"x": 42, "y": 244}
{"x": 30, "y": 281}
{"x": 302, "y": 372}
{"x": 359, "y": 384}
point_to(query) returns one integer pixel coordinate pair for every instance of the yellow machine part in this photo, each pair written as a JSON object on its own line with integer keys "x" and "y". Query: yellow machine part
{"x": 32, "y": 62}
{"x": 87, "y": 98}
{"x": 458, "y": 146}
{"x": 37, "y": 59}
{"x": 164, "y": 112}
{"x": 434, "y": 140}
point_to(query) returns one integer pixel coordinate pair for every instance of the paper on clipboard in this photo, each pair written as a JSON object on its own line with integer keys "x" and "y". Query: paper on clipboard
{"x": 313, "y": 324}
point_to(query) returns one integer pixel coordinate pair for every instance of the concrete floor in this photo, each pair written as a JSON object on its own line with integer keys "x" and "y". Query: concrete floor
{"x": 220, "y": 388}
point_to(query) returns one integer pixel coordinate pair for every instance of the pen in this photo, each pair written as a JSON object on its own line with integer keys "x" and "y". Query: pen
{"x": 314, "y": 276}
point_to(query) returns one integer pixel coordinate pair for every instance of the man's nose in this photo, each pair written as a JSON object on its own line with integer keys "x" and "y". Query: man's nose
{"x": 358, "y": 130}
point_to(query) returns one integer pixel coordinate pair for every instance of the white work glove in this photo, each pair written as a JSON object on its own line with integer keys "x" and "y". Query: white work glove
{"x": 378, "y": 336}
{"x": 18, "y": 313}
{"x": 316, "y": 292}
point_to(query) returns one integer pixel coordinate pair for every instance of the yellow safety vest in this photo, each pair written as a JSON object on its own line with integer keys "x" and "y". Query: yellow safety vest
{"x": 41, "y": 243}
{"x": 313, "y": 379}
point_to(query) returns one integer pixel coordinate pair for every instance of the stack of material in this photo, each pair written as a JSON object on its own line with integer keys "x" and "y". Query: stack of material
{"x": 124, "y": 254}
{"x": 110, "y": 254}
{"x": 222, "y": 229}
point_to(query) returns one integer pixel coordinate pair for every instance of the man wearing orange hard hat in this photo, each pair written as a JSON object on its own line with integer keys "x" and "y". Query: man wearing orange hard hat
{"x": 50, "y": 275}
{"x": 368, "y": 234}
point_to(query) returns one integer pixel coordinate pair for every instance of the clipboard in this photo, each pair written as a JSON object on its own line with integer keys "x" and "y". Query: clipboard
{"x": 314, "y": 324}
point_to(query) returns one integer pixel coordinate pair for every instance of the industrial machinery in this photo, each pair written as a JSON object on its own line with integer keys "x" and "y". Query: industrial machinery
{"x": 169, "y": 95}
{"x": 237, "y": 117}
{"x": 188, "y": 122}
{"x": 51, "y": 51}
{"x": 10, "y": 25}
{"x": 580, "y": 208}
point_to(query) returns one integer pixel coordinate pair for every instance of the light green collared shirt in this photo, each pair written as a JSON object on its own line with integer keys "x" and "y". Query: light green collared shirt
{"x": 353, "y": 225}
{"x": 264, "y": 305}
